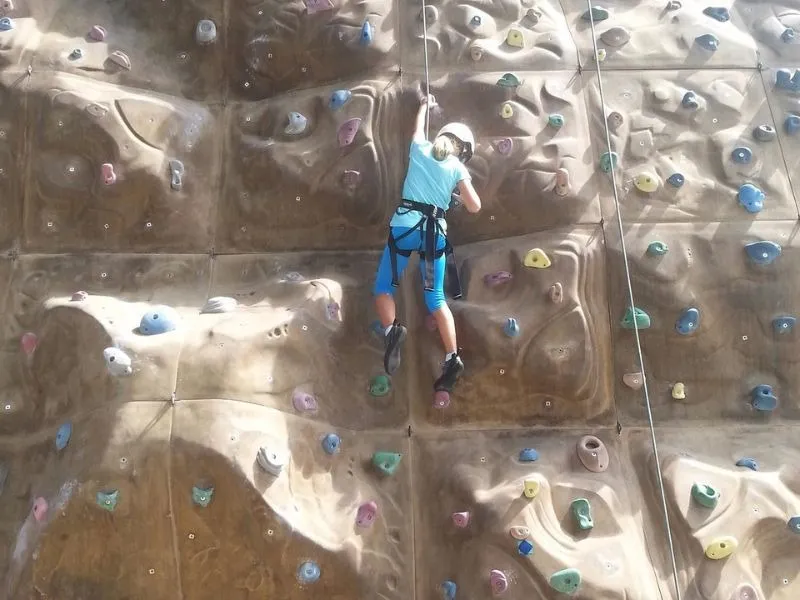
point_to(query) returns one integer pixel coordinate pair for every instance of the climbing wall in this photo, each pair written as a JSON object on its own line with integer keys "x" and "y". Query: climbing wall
{"x": 193, "y": 198}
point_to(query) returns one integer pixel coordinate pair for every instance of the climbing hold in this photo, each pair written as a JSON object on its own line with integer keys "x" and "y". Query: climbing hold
{"x": 475, "y": 21}
{"x": 6, "y": 24}
{"x": 708, "y": 41}
{"x": 441, "y": 399}
{"x": 386, "y": 462}
{"x": 497, "y": 278}
{"x": 108, "y": 174}
{"x": 556, "y": 121}
{"x": 120, "y": 59}
{"x": 601, "y": 54}
{"x": 763, "y": 399}
{"x": 751, "y": 198}
{"x": 720, "y": 13}
{"x": 749, "y": 463}
{"x": 646, "y": 182}
{"x": 787, "y": 80}
{"x": 794, "y": 524}
{"x": 537, "y": 259}
{"x": 721, "y": 548}
{"x": 460, "y": 519}
{"x": 347, "y": 132}
{"x": 97, "y": 33}
{"x": 380, "y": 385}
{"x": 76, "y": 54}
{"x": 616, "y": 36}
{"x": 271, "y": 460}
{"x": 205, "y": 32}
{"x": 176, "y": 170}
{"x": 635, "y": 318}
{"x": 783, "y": 324}
{"x": 308, "y": 572}
{"x": 556, "y": 293}
{"x": 562, "y": 186}
{"x": 366, "y": 514}
{"x": 62, "y": 435}
{"x": 745, "y": 591}
{"x": 530, "y": 488}
{"x": 159, "y": 319}
{"x": 315, "y": 6}
{"x": 528, "y": 455}
{"x": 339, "y": 98}
{"x": 219, "y": 304}
{"x": 690, "y": 101}
{"x": 107, "y": 499}
{"x": 525, "y": 548}
{"x": 448, "y": 590}
{"x": 367, "y": 34}
{"x": 511, "y": 328}
{"x": 333, "y": 311}
{"x": 79, "y": 296}
{"x": 504, "y": 146}
{"x": 705, "y": 495}
{"x": 582, "y": 513}
{"x": 657, "y": 248}
{"x": 28, "y": 343}
{"x": 202, "y": 495}
{"x": 506, "y": 110}
{"x": 679, "y": 391}
{"x": 498, "y": 582}
{"x": 39, "y": 509}
{"x": 792, "y": 124}
{"x": 331, "y": 443}
{"x": 596, "y": 13}
{"x": 509, "y": 80}
{"x": 742, "y": 155}
{"x": 303, "y": 401}
{"x": 515, "y": 38}
{"x": 615, "y": 120}
{"x": 787, "y": 37}
{"x": 593, "y": 453}
{"x": 519, "y": 532}
{"x": 117, "y": 362}
{"x": 476, "y": 52}
{"x": 764, "y": 133}
{"x": 297, "y": 124}
{"x": 762, "y": 253}
{"x": 566, "y": 581}
{"x": 531, "y": 18}
{"x": 688, "y": 321}
{"x": 608, "y": 161}
{"x": 633, "y": 380}
{"x": 676, "y": 180}
{"x": 641, "y": 143}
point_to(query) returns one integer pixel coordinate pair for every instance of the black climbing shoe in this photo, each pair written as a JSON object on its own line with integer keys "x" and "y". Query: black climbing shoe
{"x": 451, "y": 371}
{"x": 393, "y": 343}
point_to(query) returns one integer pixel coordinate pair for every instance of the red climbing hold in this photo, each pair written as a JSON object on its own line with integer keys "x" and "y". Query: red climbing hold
{"x": 347, "y": 132}
{"x": 441, "y": 399}
{"x": 109, "y": 176}
{"x": 28, "y": 343}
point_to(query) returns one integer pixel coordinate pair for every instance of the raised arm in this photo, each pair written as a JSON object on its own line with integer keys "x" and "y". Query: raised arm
{"x": 419, "y": 125}
{"x": 469, "y": 197}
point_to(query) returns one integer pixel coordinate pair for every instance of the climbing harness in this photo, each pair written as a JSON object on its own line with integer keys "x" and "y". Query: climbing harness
{"x": 659, "y": 475}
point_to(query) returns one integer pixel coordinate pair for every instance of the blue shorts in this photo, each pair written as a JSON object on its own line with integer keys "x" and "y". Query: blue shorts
{"x": 434, "y": 299}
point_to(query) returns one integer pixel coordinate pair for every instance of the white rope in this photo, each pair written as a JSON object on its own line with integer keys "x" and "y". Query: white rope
{"x": 659, "y": 475}
{"x": 427, "y": 75}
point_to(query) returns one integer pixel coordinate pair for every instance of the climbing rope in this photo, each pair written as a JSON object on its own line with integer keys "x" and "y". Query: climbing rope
{"x": 625, "y": 262}
{"x": 427, "y": 90}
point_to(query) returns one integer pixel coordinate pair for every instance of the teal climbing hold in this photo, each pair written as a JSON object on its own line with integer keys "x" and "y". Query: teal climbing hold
{"x": 676, "y": 180}
{"x": 582, "y": 513}
{"x": 794, "y": 524}
{"x": 62, "y": 436}
{"x": 511, "y": 327}
{"x": 763, "y": 399}
{"x": 688, "y": 322}
{"x": 381, "y": 385}
{"x": 528, "y": 455}
{"x": 308, "y": 572}
{"x": 720, "y": 13}
{"x": 525, "y": 548}
{"x": 367, "y": 33}
{"x": 598, "y": 13}
{"x": 566, "y": 581}
{"x": 556, "y": 121}
{"x": 107, "y": 499}
{"x": 705, "y": 495}
{"x": 751, "y": 198}
{"x": 762, "y": 253}
{"x": 339, "y": 98}
{"x": 608, "y": 161}
{"x": 708, "y": 41}
{"x": 783, "y": 324}
{"x": 764, "y": 133}
{"x": 448, "y": 590}
{"x": 749, "y": 463}
{"x": 657, "y": 248}
{"x": 159, "y": 319}
{"x": 331, "y": 443}
{"x": 386, "y": 462}
{"x": 202, "y": 495}
{"x": 635, "y": 318}
{"x": 509, "y": 80}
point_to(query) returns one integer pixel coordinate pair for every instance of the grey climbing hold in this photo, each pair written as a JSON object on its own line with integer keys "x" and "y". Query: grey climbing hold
{"x": 120, "y": 59}
{"x": 748, "y": 463}
{"x": 297, "y": 124}
{"x": 708, "y": 41}
{"x": 763, "y": 399}
{"x": 615, "y": 120}
{"x": 97, "y": 33}
{"x": 783, "y": 324}
{"x": 528, "y": 455}
{"x": 705, "y": 495}
{"x": 787, "y": 37}
{"x": 387, "y": 462}
{"x": 367, "y": 34}
{"x": 582, "y": 513}
{"x": 657, "y": 248}
{"x": 159, "y": 319}
{"x": 176, "y": 170}
{"x": 205, "y": 32}
{"x": 566, "y": 581}
{"x": 720, "y": 13}
{"x": 751, "y": 198}
{"x": 556, "y": 121}
{"x": 676, "y": 180}
{"x": 475, "y": 21}
{"x": 6, "y": 24}
{"x": 690, "y": 100}
{"x": 593, "y": 454}
{"x": 762, "y": 253}
{"x": 511, "y": 328}
{"x": 794, "y": 524}
{"x": 616, "y": 37}
{"x": 742, "y": 155}
{"x": 431, "y": 14}
{"x": 497, "y": 278}
{"x": 525, "y": 548}
{"x": 62, "y": 435}
{"x": 219, "y": 304}
{"x": 308, "y": 572}
{"x": 448, "y": 590}
{"x": 331, "y": 443}
{"x": 107, "y": 499}
{"x": 272, "y": 460}
{"x": 764, "y": 133}
{"x": 339, "y": 98}
{"x": 792, "y": 124}
{"x": 117, "y": 362}
{"x": 636, "y": 318}
{"x": 608, "y": 161}
{"x": 76, "y": 54}
{"x": 688, "y": 321}
{"x": 598, "y": 13}
{"x": 786, "y": 80}
{"x": 201, "y": 496}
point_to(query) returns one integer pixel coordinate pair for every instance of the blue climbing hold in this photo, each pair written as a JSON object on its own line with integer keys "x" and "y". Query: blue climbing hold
{"x": 676, "y": 180}
{"x": 339, "y": 98}
{"x": 525, "y": 548}
{"x": 708, "y": 41}
{"x": 202, "y": 495}
{"x": 762, "y": 253}
{"x": 751, "y": 198}
{"x": 159, "y": 319}
{"x": 742, "y": 155}
{"x": 511, "y": 327}
{"x": 62, "y": 436}
{"x": 308, "y": 572}
{"x": 783, "y": 324}
{"x": 688, "y": 321}
{"x": 6, "y": 24}
{"x": 690, "y": 100}
{"x": 794, "y": 524}
{"x": 749, "y": 463}
{"x": 786, "y": 80}
{"x": 763, "y": 399}
{"x": 792, "y": 124}
{"x": 764, "y": 133}
{"x": 331, "y": 443}
{"x": 367, "y": 33}
{"x": 787, "y": 37}
{"x": 448, "y": 589}
{"x": 720, "y": 13}
{"x": 528, "y": 455}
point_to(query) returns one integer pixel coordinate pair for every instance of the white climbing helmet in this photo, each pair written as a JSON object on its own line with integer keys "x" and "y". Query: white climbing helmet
{"x": 463, "y": 134}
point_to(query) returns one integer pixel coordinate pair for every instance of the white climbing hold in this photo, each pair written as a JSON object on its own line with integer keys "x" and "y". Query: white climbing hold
{"x": 272, "y": 460}
{"x": 120, "y": 59}
{"x": 220, "y": 304}
{"x": 205, "y": 32}
{"x": 117, "y": 362}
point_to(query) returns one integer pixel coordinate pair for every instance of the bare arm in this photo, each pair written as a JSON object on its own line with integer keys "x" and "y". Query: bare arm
{"x": 419, "y": 125}
{"x": 469, "y": 197}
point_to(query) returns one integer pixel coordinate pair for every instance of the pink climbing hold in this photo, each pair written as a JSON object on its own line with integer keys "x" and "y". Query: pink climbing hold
{"x": 28, "y": 343}
{"x": 441, "y": 400}
{"x": 315, "y": 6}
{"x": 79, "y": 296}
{"x": 304, "y": 402}
{"x": 504, "y": 146}
{"x": 498, "y": 581}
{"x": 461, "y": 519}
{"x": 39, "y": 509}
{"x": 109, "y": 176}
{"x": 347, "y": 132}
{"x": 366, "y": 514}
{"x": 497, "y": 278}
{"x": 97, "y": 33}
{"x": 333, "y": 311}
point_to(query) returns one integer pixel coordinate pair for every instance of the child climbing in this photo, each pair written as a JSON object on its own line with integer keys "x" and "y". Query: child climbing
{"x": 418, "y": 225}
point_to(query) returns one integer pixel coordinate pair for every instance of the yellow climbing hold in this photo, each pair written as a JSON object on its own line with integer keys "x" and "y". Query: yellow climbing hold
{"x": 722, "y": 547}
{"x": 646, "y": 182}
{"x": 530, "y": 487}
{"x": 506, "y": 111}
{"x": 679, "y": 391}
{"x": 537, "y": 259}
{"x": 515, "y": 38}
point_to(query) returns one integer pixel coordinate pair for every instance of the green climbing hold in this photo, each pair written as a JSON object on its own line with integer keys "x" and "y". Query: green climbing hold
{"x": 582, "y": 513}
{"x": 380, "y": 385}
{"x": 567, "y": 581}
{"x": 556, "y": 121}
{"x": 635, "y": 318}
{"x": 598, "y": 13}
{"x": 509, "y": 80}
{"x": 107, "y": 499}
{"x": 386, "y": 462}
{"x": 657, "y": 248}
{"x": 608, "y": 161}
{"x": 202, "y": 496}
{"x": 705, "y": 495}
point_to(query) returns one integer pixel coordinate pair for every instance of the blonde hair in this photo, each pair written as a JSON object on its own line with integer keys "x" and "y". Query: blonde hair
{"x": 444, "y": 146}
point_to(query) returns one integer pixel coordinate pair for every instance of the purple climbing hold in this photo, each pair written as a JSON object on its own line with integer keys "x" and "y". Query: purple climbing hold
{"x": 333, "y": 311}
{"x": 315, "y": 6}
{"x": 504, "y": 146}
{"x": 304, "y": 402}
{"x": 347, "y": 131}
{"x": 366, "y": 514}
{"x": 97, "y": 33}
{"x": 498, "y": 582}
{"x": 497, "y": 278}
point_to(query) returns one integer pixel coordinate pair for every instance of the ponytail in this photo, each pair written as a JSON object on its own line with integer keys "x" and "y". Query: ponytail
{"x": 444, "y": 146}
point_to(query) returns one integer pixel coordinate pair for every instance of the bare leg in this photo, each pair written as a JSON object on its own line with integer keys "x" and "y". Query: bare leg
{"x": 447, "y": 328}
{"x": 384, "y": 306}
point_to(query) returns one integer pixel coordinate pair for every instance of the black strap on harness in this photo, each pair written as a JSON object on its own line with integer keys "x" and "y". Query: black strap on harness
{"x": 428, "y": 251}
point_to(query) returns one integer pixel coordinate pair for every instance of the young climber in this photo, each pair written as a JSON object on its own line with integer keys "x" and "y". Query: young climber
{"x": 418, "y": 225}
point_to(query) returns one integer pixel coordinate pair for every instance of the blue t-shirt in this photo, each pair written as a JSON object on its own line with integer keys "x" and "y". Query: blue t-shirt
{"x": 428, "y": 180}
